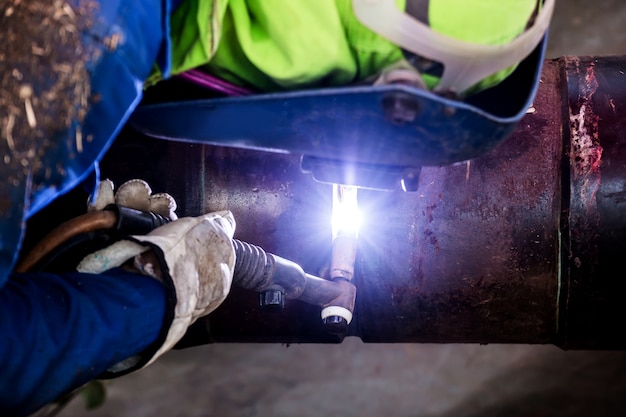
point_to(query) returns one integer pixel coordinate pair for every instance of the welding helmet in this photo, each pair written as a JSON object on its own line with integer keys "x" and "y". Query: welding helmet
{"x": 443, "y": 125}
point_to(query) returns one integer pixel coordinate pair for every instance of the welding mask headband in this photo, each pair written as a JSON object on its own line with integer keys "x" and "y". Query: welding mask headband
{"x": 465, "y": 63}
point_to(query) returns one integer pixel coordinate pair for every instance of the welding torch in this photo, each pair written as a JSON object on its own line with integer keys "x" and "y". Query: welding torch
{"x": 278, "y": 279}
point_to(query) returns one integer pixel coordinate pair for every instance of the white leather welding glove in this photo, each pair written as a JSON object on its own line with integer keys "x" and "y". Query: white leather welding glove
{"x": 193, "y": 256}
{"x": 135, "y": 194}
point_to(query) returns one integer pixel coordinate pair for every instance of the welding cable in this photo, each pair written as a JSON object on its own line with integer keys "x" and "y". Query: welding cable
{"x": 114, "y": 219}
{"x": 89, "y": 222}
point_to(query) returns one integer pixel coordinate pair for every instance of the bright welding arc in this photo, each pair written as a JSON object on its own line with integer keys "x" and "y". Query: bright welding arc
{"x": 346, "y": 218}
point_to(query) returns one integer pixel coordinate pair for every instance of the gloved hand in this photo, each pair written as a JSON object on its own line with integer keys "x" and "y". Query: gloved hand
{"x": 135, "y": 194}
{"x": 193, "y": 256}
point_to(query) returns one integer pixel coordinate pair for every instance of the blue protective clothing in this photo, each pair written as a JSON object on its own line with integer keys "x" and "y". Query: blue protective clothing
{"x": 60, "y": 331}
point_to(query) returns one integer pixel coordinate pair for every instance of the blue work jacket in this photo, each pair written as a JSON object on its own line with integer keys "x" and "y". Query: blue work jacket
{"x": 60, "y": 331}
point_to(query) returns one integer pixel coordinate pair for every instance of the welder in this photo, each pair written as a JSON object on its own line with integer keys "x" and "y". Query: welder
{"x": 72, "y": 72}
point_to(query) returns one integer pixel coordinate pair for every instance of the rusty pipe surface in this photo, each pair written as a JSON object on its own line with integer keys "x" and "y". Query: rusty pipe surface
{"x": 593, "y": 223}
{"x": 520, "y": 245}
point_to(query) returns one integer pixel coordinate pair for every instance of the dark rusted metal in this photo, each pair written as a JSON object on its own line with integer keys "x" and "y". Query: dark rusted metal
{"x": 594, "y": 233}
{"x": 472, "y": 256}
{"x": 522, "y": 245}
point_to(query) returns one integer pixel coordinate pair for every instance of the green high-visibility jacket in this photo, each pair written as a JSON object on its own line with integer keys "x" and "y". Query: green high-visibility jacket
{"x": 275, "y": 45}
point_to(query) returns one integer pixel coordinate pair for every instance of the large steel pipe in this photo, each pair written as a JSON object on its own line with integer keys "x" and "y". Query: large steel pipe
{"x": 522, "y": 245}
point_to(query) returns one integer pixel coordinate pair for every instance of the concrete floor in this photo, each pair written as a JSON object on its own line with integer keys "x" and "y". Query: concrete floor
{"x": 588, "y": 28}
{"x": 357, "y": 379}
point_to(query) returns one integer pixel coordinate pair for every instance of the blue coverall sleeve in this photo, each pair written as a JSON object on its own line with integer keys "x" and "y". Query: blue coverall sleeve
{"x": 61, "y": 330}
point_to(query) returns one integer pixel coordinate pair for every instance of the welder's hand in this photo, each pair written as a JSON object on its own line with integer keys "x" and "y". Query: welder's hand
{"x": 135, "y": 194}
{"x": 194, "y": 255}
